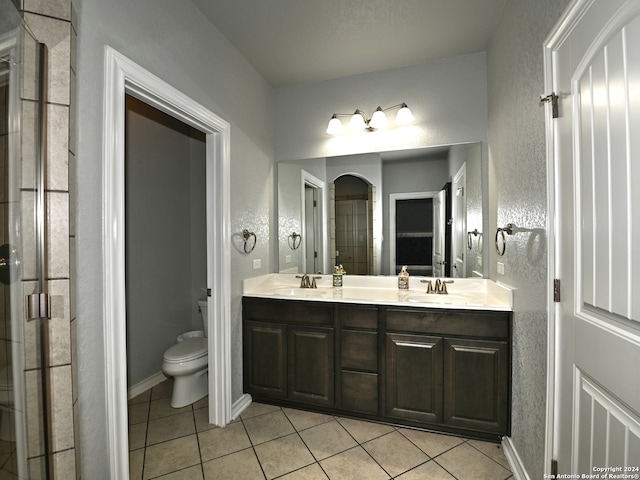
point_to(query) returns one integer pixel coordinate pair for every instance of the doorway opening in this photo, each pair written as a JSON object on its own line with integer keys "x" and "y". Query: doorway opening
{"x": 122, "y": 76}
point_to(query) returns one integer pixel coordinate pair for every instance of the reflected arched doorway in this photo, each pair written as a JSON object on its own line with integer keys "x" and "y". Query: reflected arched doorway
{"x": 352, "y": 236}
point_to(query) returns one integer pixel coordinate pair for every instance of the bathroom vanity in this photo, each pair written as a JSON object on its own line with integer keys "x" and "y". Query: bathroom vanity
{"x": 439, "y": 362}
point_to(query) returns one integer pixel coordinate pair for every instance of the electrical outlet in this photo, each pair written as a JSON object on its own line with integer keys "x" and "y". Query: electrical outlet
{"x": 287, "y": 259}
{"x": 479, "y": 260}
{"x": 500, "y": 268}
{"x": 257, "y": 263}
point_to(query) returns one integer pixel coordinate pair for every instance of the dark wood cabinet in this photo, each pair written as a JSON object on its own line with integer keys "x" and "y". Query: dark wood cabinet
{"x": 447, "y": 370}
{"x": 414, "y": 376}
{"x": 476, "y": 392}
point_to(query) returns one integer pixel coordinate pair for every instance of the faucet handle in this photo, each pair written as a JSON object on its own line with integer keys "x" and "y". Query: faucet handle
{"x": 443, "y": 290}
{"x": 429, "y": 285}
{"x": 313, "y": 282}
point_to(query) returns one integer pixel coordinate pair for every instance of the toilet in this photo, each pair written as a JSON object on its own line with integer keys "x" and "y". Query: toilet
{"x": 187, "y": 362}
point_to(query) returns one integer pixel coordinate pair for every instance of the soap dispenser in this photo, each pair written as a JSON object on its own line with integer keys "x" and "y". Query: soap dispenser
{"x": 403, "y": 279}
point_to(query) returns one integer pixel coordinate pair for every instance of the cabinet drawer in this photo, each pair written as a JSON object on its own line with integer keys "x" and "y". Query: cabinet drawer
{"x": 359, "y": 350}
{"x": 442, "y": 322}
{"x": 359, "y": 317}
{"x": 359, "y": 391}
{"x": 288, "y": 311}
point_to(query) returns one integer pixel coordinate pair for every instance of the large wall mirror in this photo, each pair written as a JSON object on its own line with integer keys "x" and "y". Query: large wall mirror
{"x": 375, "y": 212}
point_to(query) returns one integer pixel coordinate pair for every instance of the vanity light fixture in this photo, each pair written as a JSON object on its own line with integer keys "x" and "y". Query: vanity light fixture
{"x": 360, "y": 120}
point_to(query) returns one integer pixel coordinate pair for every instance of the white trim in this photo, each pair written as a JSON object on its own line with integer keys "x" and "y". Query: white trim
{"x": 241, "y": 405}
{"x": 393, "y": 198}
{"x": 308, "y": 179}
{"x": 123, "y": 76}
{"x": 146, "y": 384}
{"x": 517, "y": 467}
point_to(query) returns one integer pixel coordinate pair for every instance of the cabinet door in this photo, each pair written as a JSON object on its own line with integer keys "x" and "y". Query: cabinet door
{"x": 476, "y": 392}
{"x": 311, "y": 365}
{"x": 265, "y": 354}
{"x": 414, "y": 377}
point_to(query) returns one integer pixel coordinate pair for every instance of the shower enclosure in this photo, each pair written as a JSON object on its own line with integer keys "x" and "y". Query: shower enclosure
{"x": 24, "y": 303}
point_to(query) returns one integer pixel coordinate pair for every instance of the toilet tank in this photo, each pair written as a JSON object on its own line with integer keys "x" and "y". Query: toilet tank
{"x": 203, "y": 311}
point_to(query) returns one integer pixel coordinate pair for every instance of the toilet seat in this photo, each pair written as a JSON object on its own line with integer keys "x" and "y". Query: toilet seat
{"x": 190, "y": 349}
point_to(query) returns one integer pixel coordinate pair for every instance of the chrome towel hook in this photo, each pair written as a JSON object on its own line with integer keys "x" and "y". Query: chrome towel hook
{"x": 508, "y": 229}
{"x": 246, "y": 234}
{"x": 294, "y": 240}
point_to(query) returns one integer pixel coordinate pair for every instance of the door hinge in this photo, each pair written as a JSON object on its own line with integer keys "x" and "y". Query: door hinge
{"x": 554, "y": 468}
{"x": 38, "y": 306}
{"x": 553, "y": 98}
{"x": 556, "y": 290}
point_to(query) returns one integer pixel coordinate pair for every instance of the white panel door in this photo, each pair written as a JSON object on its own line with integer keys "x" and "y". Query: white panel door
{"x": 596, "y": 73}
{"x": 439, "y": 227}
{"x": 459, "y": 217}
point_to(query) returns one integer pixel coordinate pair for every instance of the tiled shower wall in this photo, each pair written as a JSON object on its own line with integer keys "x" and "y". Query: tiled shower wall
{"x": 53, "y": 23}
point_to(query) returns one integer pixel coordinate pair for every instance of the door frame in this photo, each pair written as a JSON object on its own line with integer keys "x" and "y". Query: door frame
{"x": 306, "y": 179}
{"x": 393, "y": 198}
{"x": 122, "y": 76}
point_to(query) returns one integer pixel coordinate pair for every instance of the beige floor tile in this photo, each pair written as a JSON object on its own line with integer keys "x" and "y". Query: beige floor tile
{"x": 202, "y": 419}
{"x": 162, "y": 408}
{"x": 312, "y": 472}
{"x": 168, "y": 428}
{"x": 191, "y": 473}
{"x": 136, "y": 461}
{"x": 171, "y": 456}
{"x": 217, "y": 442}
{"x": 283, "y": 455}
{"x": 258, "y": 409}
{"x": 433, "y": 444}
{"x": 364, "y": 431}
{"x": 264, "y": 428}
{"x": 137, "y": 435}
{"x": 466, "y": 462}
{"x": 138, "y": 413}
{"x": 144, "y": 397}
{"x": 242, "y": 465}
{"x": 395, "y": 453}
{"x": 327, "y": 439}
{"x": 354, "y": 464}
{"x": 302, "y": 420}
{"x": 162, "y": 390}
{"x": 202, "y": 403}
{"x": 492, "y": 450}
{"x": 430, "y": 470}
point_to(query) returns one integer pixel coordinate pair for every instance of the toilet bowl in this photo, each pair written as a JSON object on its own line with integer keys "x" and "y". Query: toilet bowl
{"x": 188, "y": 362}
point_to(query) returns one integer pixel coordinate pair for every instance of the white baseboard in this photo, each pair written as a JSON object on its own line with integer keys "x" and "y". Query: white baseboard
{"x": 517, "y": 468}
{"x": 145, "y": 385}
{"x": 240, "y": 405}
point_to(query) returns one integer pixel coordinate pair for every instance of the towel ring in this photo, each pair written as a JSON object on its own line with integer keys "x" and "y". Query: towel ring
{"x": 246, "y": 234}
{"x": 475, "y": 233}
{"x": 508, "y": 229}
{"x": 294, "y": 240}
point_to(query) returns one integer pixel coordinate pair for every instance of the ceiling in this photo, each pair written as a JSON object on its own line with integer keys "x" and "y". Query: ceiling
{"x": 304, "y": 41}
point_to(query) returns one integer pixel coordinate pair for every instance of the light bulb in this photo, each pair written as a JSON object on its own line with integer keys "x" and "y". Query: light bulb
{"x": 335, "y": 126}
{"x": 404, "y": 116}
{"x": 357, "y": 121}
{"x": 378, "y": 119}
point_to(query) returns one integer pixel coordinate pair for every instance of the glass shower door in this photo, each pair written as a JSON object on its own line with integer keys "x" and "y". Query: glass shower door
{"x": 24, "y": 407}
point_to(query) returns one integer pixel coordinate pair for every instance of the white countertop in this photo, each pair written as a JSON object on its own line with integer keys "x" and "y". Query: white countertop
{"x": 464, "y": 293}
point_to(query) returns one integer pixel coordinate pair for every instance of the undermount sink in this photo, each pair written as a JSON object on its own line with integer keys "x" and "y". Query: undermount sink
{"x": 439, "y": 298}
{"x": 300, "y": 292}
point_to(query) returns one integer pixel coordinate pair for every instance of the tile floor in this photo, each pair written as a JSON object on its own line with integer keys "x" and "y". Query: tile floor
{"x": 269, "y": 442}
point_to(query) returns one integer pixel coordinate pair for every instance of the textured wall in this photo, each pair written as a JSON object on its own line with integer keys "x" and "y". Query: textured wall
{"x": 171, "y": 39}
{"x": 517, "y": 180}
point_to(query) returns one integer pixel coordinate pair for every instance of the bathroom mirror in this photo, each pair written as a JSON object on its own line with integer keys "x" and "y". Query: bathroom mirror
{"x": 375, "y": 212}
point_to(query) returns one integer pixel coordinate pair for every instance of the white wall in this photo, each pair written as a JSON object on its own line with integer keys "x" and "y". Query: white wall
{"x": 448, "y": 98}
{"x": 171, "y": 39}
{"x": 517, "y": 179}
